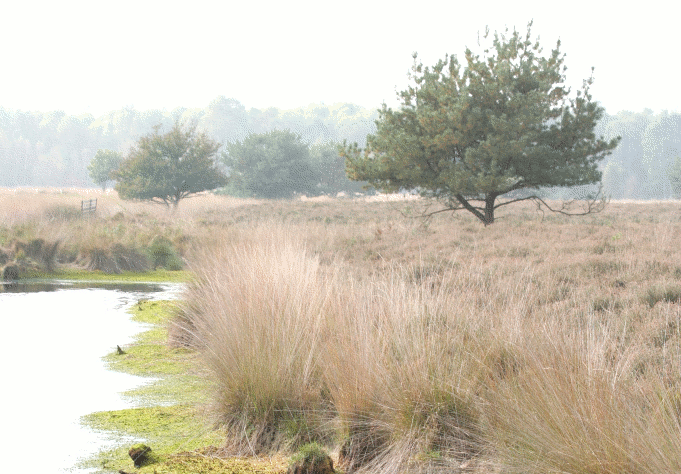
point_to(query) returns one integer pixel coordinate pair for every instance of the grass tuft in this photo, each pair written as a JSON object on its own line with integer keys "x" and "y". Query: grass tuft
{"x": 655, "y": 294}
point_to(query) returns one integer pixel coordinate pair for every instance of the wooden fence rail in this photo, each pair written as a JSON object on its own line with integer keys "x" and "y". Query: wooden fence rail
{"x": 88, "y": 206}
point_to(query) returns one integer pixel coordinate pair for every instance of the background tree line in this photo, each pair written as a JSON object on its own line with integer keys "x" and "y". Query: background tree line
{"x": 55, "y": 149}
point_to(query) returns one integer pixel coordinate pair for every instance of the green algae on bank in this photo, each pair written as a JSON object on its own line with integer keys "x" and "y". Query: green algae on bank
{"x": 178, "y": 425}
{"x": 149, "y": 355}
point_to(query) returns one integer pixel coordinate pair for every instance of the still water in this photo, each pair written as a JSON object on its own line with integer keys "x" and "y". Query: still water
{"x": 53, "y": 338}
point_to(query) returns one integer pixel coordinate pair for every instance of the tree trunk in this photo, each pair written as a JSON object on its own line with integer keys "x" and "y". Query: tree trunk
{"x": 488, "y": 217}
{"x": 489, "y": 209}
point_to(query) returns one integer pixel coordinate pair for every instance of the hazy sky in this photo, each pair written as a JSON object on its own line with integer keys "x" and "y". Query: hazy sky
{"x": 94, "y": 57}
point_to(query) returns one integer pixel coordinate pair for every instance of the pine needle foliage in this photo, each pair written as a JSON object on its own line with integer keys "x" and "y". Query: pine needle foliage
{"x": 503, "y": 123}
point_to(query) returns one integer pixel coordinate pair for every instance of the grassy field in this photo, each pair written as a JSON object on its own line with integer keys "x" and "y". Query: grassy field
{"x": 541, "y": 343}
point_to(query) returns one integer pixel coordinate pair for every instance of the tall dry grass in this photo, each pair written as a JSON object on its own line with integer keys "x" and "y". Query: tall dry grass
{"x": 300, "y": 353}
{"x": 527, "y": 355}
{"x": 256, "y": 312}
{"x": 571, "y": 409}
{"x": 121, "y": 234}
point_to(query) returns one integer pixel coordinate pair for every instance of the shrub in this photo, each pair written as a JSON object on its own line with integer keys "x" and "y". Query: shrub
{"x": 162, "y": 254}
{"x": 606, "y": 304}
{"x": 62, "y": 212}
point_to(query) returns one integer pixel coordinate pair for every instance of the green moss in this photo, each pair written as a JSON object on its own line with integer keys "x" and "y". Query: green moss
{"x": 203, "y": 460}
{"x": 168, "y": 390}
{"x": 153, "y": 312}
{"x": 179, "y": 440}
{"x": 311, "y": 452}
{"x": 155, "y": 334}
{"x": 151, "y": 359}
{"x": 140, "y": 446}
{"x": 176, "y": 426}
{"x": 165, "y": 429}
{"x": 149, "y": 355}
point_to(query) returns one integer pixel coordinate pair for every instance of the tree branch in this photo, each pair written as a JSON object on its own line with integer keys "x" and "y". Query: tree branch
{"x": 593, "y": 205}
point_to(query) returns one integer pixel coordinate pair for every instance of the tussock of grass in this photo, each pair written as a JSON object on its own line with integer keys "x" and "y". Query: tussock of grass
{"x": 311, "y": 452}
{"x": 669, "y": 293}
{"x": 261, "y": 335}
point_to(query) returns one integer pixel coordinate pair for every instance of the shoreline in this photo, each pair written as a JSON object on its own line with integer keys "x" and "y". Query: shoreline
{"x": 170, "y": 413}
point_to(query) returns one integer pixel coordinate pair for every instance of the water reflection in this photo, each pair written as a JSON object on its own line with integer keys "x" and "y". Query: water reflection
{"x": 35, "y": 286}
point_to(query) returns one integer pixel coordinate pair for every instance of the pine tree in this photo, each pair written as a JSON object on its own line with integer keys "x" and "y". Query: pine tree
{"x": 502, "y": 124}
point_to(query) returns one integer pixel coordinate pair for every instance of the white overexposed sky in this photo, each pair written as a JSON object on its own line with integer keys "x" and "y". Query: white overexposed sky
{"x": 94, "y": 57}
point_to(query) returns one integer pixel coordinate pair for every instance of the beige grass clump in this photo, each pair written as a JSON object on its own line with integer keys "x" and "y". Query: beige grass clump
{"x": 292, "y": 347}
{"x": 405, "y": 376}
{"x": 256, "y": 310}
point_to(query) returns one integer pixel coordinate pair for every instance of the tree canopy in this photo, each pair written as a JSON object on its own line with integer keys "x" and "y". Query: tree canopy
{"x": 504, "y": 123}
{"x": 271, "y": 165}
{"x": 102, "y": 165}
{"x": 167, "y": 168}
{"x": 331, "y": 166}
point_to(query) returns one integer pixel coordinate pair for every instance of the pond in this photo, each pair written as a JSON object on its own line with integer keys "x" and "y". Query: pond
{"x": 54, "y": 335}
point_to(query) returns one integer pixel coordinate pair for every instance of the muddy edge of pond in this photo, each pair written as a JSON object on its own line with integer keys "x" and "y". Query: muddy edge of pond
{"x": 169, "y": 414}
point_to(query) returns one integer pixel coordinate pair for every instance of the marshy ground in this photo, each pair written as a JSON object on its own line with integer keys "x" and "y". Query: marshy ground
{"x": 541, "y": 343}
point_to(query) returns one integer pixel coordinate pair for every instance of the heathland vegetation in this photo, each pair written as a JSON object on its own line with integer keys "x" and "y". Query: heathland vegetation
{"x": 535, "y": 343}
{"x": 541, "y": 343}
